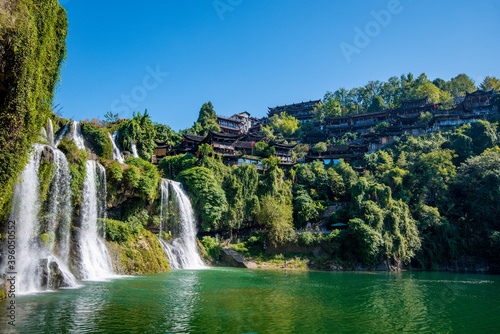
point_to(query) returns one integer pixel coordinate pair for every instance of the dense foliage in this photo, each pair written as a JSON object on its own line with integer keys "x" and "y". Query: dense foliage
{"x": 140, "y": 131}
{"x": 32, "y": 49}
{"x": 99, "y": 137}
{"x": 77, "y": 168}
{"x": 379, "y": 95}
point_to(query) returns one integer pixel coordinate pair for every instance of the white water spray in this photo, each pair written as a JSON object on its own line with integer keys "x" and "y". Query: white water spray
{"x": 59, "y": 203}
{"x": 134, "y": 150}
{"x": 62, "y": 134}
{"x": 117, "y": 154}
{"x": 36, "y": 263}
{"x": 76, "y": 135}
{"x": 95, "y": 261}
{"x": 50, "y": 133}
{"x": 182, "y": 252}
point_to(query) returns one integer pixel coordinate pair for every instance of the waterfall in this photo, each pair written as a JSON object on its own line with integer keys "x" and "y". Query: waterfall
{"x": 76, "y": 135}
{"x": 59, "y": 204}
{"x": 62, "y": 134}
{"x": 163, "y": 203}
{"x": 117, "y": 154}
{"x": 43, "y": 134}
{"x": 36, "y": 265}
{"x": 50, "y": 133}
{"x": 182, "y": 252}
{"x": 95, "y": 262}
{"x": 134, "y": 150}
{"x": 102, "y": 193}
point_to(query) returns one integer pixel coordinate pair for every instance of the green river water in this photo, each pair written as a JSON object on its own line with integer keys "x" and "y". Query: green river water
{"x": 226, "y": 300}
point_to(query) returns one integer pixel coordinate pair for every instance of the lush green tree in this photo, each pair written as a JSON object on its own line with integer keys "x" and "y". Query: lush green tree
{"x": 33, "y": 48}
{"x": 141, "y": 131}
{"x": 263, "y": 150}
{"x": 380, "y": 127}
{"x": 305, "y": 209}
{"x": 99, "y": 137}
{"x": 440, "y": 83}
{"x": 377, "y": 104}
{"x": 477, "y": 189}
{"x": 490, "y": 83}
{"x": 484, "y": 135}
{"x": 249, "y": 180}
{"x": 207, "y": 195}
{"x": 379, "y": 162}
{"x": 149, "y": 177}
{"x": 267, "y": 132}
{"x": 282, "y": 125}
{"x": 111, "y": 118}
{"x": 431, "y": 175}
{"x": 173, "y": 165}
{"x": 301, "y": 150}
{"x": 430, "y": 91}
{"x": 460, "y": 85}
{"x": 320, "y": 148}
{"x": 330, "y": 107}
{"x": 165, "y": 133}
{"x": 277, "y": 216}
{"x": 361, "y": 243}
{"x": 425, "y": 118}
{"x": 207, "y": 117}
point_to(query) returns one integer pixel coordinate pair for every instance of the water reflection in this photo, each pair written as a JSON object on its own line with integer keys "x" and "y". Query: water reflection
{"x": 244, "y": 301}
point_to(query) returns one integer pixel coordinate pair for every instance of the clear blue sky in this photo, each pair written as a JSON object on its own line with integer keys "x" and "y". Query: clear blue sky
{"x": 253, "y": 54}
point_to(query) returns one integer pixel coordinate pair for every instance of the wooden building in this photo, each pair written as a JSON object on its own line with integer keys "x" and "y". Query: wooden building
{"x": 302, "y": 111}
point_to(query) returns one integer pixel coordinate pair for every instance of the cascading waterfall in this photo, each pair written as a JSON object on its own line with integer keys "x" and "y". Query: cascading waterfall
{"x": 102, "y": 193}
{"x": 163, "y": 203}
{"x": 50, "y": 133}
{"x": 182, "y": 252}
{"x": 37, "y": 265}
{"x": 95, "y": 263}
{"x": 62, "y": 134}
{"x": 134, "y": 150}
{"x": 76, "y": 135}
{"x": 43, "y": 134}
{"x": 117, "y": 154}
{"x": 59, "y": 204}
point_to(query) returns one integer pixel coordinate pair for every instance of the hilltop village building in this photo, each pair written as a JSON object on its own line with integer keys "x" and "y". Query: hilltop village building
{"x": 302, "y": 111}
{"x": 240, "y": 132}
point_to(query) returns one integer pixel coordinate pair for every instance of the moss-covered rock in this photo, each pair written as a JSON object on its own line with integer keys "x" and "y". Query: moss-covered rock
{"x": 140, "y": 254}
{"x": 99, "y": 138}
{"x": 77, "y": 160}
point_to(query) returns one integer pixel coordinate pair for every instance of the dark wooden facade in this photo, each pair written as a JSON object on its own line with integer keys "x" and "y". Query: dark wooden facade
{"x": 302, "y": 111}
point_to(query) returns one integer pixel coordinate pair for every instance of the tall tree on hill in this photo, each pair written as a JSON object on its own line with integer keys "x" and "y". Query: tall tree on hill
{"x": 377, "y": 104}
{"x": 460, "y": 85}
{"x": 440, "y": 83}
{"x": 490, "y": 83}
{"x": 207, "y": 120}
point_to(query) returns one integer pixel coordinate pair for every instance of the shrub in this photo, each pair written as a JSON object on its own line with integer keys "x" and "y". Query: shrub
{"x": 115, "y": 172}
{"x": 117, "y": 231}
{"x": 206, "y": 193}
{"x": 149, "y": 177}
{"x": 77, "y": 160}
{"x": 212, "y": 247}
{"x": 99, "y": 137}
{"x": 132, "y": 177}
{"x": 306, "y": 239}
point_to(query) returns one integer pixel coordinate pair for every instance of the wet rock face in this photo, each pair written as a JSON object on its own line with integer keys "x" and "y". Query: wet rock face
{"x": 47, "y": 155}
{"x": 52, "y": 277}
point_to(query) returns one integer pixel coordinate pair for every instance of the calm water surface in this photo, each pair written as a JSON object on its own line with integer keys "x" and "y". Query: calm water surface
{"x": 244, "y": 301}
